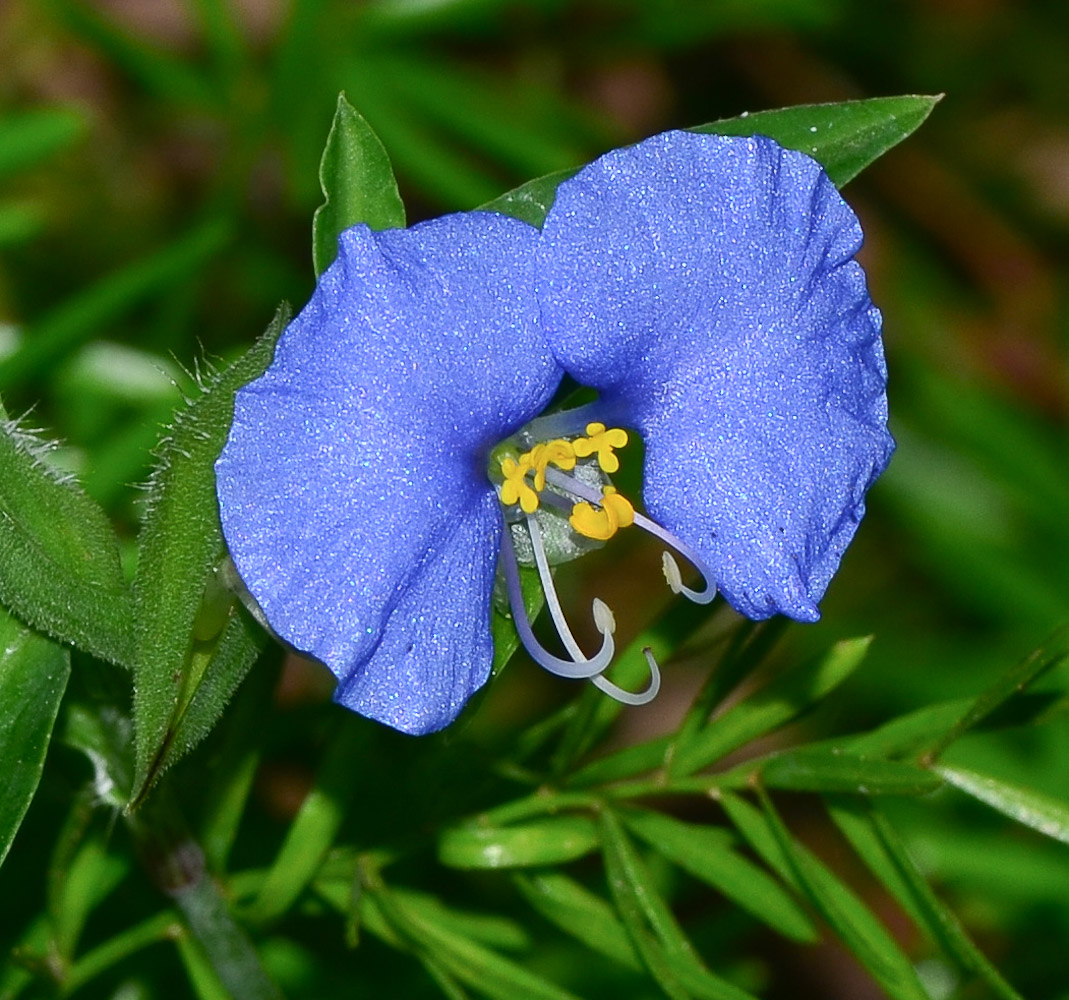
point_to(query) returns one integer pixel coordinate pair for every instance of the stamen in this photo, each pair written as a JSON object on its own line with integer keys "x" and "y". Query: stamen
{"x": 515, "y": 488}
{"x": 671, "y": 569}
{"x": 601, "y": 523}
{"x": 559, "y": 452}
{"x": 603, "y": 620}
{"x": 579, "y": 667}
{"x": 601, "y": 442}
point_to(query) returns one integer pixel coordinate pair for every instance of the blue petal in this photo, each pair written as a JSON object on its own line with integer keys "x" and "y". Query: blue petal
{"x": 353, "y": 486}
{"x": 706, "y": 286}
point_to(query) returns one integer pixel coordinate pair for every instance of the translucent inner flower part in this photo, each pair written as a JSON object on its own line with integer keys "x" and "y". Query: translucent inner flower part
{"x": 552, "y": 476}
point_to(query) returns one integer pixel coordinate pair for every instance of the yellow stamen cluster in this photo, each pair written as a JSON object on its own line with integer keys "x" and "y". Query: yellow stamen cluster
{"x": 515, "y": 489}
{"x": 603, "y": 522}
{"x": 601, "y": 442}
{"x": 598, "y": 522}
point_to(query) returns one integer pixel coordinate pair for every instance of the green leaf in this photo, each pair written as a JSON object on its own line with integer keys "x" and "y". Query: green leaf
{"x": 105, "y": 736}
{"x": 707, "y": 853}
{"x": 28, "y": 138}
{"x": 907, "y": 733}
{"x": 315, "y": 828}
{"x": 532, "y": 200}
{"x": 626, "y": 763}
{"x": 90, "y": 875}
{"x": 158, "y": 928}
{"x": 749, "y": 645}
{"x": 845, "y": 137}
{"x": 430, "y": 933}
{"x": 181, "y": 639}
{"x": 33, "y": 677}
{"x": 59, "y": 558}
{"x": 830, "y": 770}
{"x": 215, "y": 675}
{"x": 486, "y": 928}
{"x": 358, "y": 185}
{"x": 545, "y": 842}
{"x": 781, "y": 700}
{"x": 878, "y": 845}
{"x": 506, "y": 638}
{"x": 852, "y": 921}
{"x": 1053, "y": 652}
{"x": 1041, "y": 812}
{"x": 665, "y": 950}
{"x": 579, "y": 912}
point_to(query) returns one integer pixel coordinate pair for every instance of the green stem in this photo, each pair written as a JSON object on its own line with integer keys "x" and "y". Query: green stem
{"x": 548, "y": 801}
{"x": 176, "y": 864}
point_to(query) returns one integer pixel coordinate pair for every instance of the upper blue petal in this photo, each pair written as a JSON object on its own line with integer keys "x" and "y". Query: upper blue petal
{"x": 706, "y": 286}
{"x": 353, "y": 487}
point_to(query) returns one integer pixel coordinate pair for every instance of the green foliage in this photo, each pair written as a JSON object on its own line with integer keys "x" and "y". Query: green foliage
{"x": 33, "y": 677}
{"x": 358, "y": 185}
{"x": 845, "y": 138}
{"x": 59, "y": 557}
{"x": 533, "y": 850}
{"x": 193, "y": 643}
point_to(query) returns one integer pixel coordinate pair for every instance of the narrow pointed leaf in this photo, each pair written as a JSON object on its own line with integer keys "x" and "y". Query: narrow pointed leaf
{"x": 545, "y": 842}
{"x": 315, "y": 828}
{"x": 59, "y": 557}
{"x": 182, "y": 617}
{"x": 1053, "y": 652}
{"x": 579, "y": 912}
{"x": 845, "y": 137}
{"x": 1048, "y": 815}
{"x": 853, "y": 922}
{"x": 907, "y": 733}
{"x": 490, "y": 973}
{"x": 33, "y": 677}
{"x": 783, "y": 699}
{"x": 665, "y": 950}
{"x": 358, "y": 185}
{"x": 878, "y": 845}
{"x": 708, "y": 854}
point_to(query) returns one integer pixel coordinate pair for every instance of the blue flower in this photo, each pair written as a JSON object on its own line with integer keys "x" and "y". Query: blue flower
{"x": 353, "y": 489}
{"x": 704, "y": 286}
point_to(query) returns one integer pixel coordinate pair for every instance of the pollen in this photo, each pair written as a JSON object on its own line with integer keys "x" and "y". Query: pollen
{"x": 601, "y": 442}
{"x": 515, "y": 488}
{"x": 559, "y": 452}
{"x": 602, "y": 522}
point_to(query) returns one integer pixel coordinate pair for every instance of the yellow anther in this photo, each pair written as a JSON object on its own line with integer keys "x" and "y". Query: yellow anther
{"x": 559, "y": 452}
{"x": 515, "y": 488}
{"x": 601, "y": 442}
{"x": 603, "y": 522}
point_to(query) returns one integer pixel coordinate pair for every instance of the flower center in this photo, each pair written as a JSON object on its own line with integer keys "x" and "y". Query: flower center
{"x": 556, "y": 489}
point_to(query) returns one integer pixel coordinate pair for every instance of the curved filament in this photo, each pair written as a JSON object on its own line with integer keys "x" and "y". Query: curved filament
{"x": 628, "y": 697}
{"x": 671, "y": 568}
{"x": 580, "y": 667}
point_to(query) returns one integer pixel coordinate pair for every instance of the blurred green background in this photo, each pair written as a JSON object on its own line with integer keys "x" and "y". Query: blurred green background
{"x": 158, "y": 174}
